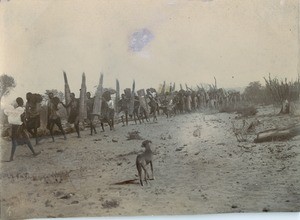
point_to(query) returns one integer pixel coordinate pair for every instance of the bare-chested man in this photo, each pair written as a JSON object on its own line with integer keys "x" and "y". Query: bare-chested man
{"x": 90, "y": 116}
{"x": 53, "y": 117}
{"x": 74, "y": 113}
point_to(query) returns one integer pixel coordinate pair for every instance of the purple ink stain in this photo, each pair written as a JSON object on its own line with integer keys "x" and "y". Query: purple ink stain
{"x": 139, "y": 39}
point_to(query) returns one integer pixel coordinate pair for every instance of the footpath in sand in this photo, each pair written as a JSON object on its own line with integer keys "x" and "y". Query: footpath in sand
{"x": 199, "y": 168}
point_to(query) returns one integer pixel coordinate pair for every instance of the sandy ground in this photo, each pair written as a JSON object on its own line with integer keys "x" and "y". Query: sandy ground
{"x": 199, "y": 168}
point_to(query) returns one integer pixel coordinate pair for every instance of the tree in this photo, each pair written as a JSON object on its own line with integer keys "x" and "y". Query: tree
{"x": 283, "y": 92}
{"x": 254, "y": 92}
{"x": 7, "y": 83}
{"x": 56, "y": 93}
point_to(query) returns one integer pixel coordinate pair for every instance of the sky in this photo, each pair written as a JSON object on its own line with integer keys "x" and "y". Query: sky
{"x": 181, "y": 41}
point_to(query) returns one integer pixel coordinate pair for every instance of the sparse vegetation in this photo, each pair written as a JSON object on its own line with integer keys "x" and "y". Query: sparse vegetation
{"x": 109, "y": 204}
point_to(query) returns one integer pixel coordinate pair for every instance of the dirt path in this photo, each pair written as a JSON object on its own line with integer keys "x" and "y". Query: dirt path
{"x": 199, "y": 168}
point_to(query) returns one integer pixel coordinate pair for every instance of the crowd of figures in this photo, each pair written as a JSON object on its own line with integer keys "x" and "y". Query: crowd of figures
{"x": 188, "y": 100}
{"x": 140, "y": 106}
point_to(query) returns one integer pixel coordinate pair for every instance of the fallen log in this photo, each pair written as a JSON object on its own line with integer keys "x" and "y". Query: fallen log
{"x": 278, "y": 134}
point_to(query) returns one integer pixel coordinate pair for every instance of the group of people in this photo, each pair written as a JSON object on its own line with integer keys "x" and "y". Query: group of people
{"x": 26, "y": 119}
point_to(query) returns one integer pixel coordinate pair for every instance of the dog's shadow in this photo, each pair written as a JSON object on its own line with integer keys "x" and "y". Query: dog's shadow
{"x": 132, "y": 181}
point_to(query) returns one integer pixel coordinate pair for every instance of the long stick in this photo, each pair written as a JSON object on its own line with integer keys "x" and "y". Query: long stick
{"x": 215, "y": 82}
{"x": 98, "y": 97}
{"x": 117, "y": 96}
{"x": 67, "y": 92}
{"x": 131, "y": 101}
{"x": 82, "y": 100}
{"x": 163, "y": 88}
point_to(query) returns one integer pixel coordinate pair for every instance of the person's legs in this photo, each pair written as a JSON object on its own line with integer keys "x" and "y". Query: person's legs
{"x": 91, "y": 123}
{"x": 58, "y": 123}
{"x": 31, "y": 148}
{"x": 51, "y": 125}
{"x": 13, "y": 149}
{"x": 126, "y": 118}
{"x": 111, "y": 117}
{"x": 102, "y": 126}
{"x": 122, "y": 118}
{"x": 92, "y": 126}
{"x": 76, "y": 125}
{"x": 14, "y": 131}
{"x": 18, "y": 132}
{"x": 36, "y": 126}
{"x": 26, "y": 139}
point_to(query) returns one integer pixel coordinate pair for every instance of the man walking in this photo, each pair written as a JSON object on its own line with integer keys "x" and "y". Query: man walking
{"x": 90, "y": 116}
{"x": 53, "y": 117}
{"x": 16, "y": 117}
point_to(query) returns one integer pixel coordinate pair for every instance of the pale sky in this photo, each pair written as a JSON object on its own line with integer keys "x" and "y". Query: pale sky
{"x": 185, "y": 41}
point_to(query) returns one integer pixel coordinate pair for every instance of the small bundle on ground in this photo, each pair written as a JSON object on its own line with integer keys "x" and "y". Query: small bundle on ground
{"x": 134, "y": 135}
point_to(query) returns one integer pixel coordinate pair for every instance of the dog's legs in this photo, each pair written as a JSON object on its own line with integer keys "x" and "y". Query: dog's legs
{"x": 102, "y": 126}
{"x": 139, "y": 168}
{"x": 151, "y": 165}
{"x": 146, "y": 173}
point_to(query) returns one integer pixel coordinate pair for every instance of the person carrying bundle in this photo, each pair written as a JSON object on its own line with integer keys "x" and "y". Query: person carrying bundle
{"x": 90, "y": 116}
{"x": 53, "y": 117}
{"x": 32, "y": 109}
{"x": 74, "y": 113}
{"x": 16, "y": 117}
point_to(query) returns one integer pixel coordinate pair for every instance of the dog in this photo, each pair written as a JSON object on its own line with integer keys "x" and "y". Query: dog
{"x": 142, "y": 160}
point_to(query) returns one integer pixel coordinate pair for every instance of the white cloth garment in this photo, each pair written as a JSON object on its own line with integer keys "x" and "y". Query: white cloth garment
{"x": 14, "y": 114}
{"x": 110, "y": 104}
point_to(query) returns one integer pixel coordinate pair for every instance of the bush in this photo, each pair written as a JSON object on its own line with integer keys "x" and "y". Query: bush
{"x": 247, "y": 111}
